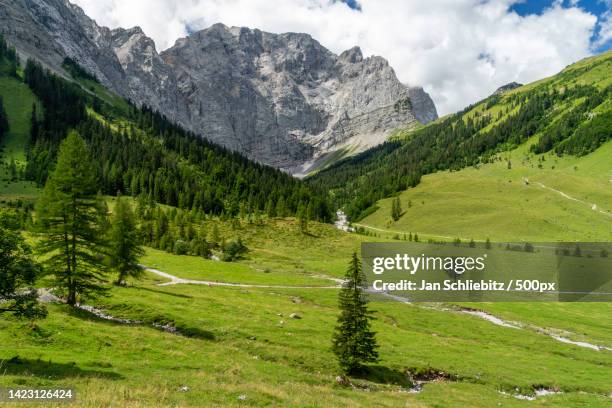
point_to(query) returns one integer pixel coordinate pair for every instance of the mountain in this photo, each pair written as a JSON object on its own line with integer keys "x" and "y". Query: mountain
{"x": 567, "y": 114}
{"x": 281, "y": 99}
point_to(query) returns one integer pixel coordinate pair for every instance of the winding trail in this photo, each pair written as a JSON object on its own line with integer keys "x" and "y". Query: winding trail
{"x": 402, "y": 232}
{"x": 175, "y": 280}
{"x": 593, "y": 206}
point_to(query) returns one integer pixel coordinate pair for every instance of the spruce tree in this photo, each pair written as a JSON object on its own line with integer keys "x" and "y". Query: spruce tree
{"x": 70, "y": 215}
{"x": 354, "y": 342}
{"x": 270, "y": 209}
{"x": 4, "y": 125}
{"x": 123, "y": 238}
{"x": 396, "y": 209}
{"x": 281, "y": 209}
{"x": 302, "y": 218}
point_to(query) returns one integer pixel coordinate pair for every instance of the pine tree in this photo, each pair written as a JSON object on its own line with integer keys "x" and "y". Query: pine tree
{"x": 302, "y": 218}
{"x": 270, "y": 209}
{"x": 34, "y": 127}
{"x": 215, "y": 236}
{"x": 69, "y": 215}
{"x": 354, "y": 342}
{"x": 396, "y": 209}
{"x": 4, "y": 125}
{"x": 124, "y": 247}
{"x": 281, "y": 208}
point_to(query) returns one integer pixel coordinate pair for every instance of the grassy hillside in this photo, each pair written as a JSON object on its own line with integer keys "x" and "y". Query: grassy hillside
{"x": 545, "y": 198}
{"x": 567, "y": 114}
{"x": 240, "y": 345}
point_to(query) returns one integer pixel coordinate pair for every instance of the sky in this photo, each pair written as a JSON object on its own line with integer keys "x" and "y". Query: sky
{"x": 459, "y": 51}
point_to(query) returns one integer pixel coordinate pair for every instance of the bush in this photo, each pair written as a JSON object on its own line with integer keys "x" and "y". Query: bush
{"x": 181, "y": 247}
{"x": 233, "y": 250}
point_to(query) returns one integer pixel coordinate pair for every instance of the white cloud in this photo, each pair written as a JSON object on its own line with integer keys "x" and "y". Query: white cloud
{"x": 458, "y": 50}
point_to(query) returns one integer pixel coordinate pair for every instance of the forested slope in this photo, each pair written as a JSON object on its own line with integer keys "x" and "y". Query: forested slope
{"x": 570, "y": 113}
{"x": 138, "y": 151}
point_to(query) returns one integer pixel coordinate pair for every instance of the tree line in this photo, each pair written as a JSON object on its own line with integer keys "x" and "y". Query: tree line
{"x": 581, "y": 129}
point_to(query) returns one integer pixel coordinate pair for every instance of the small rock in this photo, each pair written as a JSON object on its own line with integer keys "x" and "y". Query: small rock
{"x": 295, "y": 316}
{"x": 342, "y": 380}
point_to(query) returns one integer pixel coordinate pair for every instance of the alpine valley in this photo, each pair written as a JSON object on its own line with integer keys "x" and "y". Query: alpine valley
{"x": 176, "y": 227}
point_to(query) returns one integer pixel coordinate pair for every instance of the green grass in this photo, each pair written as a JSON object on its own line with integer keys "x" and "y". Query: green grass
{"x": 198, "y": 268}
{"x": 242, "y": 346}
{"x": 495, "y": 202}
{"x": 241, "y": 341}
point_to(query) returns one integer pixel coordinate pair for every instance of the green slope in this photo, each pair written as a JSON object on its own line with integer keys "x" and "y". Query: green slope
{"x": 525, "y": 203}
{"x": 568, "y": 113}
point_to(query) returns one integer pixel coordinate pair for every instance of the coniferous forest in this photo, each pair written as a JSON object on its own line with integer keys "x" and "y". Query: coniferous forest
{"x": 144, "y": 153}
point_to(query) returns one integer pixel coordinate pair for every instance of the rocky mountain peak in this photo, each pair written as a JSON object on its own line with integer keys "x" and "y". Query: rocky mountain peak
{"x": 352, "y": 55}
{"x": 282, "y": 99}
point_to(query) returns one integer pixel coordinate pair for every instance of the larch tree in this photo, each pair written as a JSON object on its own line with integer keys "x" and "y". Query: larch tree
{"x": 124, "y": 246}
{"x": 69, "y": 214}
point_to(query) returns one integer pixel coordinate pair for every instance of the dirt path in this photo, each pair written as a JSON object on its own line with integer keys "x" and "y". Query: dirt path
{"x": 593, "y": 206}
{"x": 403, "y": 232}
{"x": 175, "y": 280}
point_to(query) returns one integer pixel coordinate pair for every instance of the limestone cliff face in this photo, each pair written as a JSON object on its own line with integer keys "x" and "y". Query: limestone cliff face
{"x": 281, "y": 99}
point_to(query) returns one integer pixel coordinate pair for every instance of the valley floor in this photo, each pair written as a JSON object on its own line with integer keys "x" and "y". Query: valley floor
{"x": 239, "y": 345}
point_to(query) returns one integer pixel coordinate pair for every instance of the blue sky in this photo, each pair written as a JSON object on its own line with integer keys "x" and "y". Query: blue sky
{"x": 595, "y": 7}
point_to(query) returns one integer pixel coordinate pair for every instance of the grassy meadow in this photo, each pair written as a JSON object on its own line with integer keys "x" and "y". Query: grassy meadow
{"x": 239, "y": 346}
{"x": 557, "y": 199}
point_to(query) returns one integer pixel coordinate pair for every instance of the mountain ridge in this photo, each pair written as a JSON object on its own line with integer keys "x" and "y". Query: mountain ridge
{"x": 282, "y": 99}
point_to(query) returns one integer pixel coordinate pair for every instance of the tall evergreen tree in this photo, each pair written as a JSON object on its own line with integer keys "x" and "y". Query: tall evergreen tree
{"x": 302, "y": 218}
{"x": 69, "y": 214}
{"x": 354, "y": 342}
{"x": 270, "y": 209}
{"x": 396, "y": 209}
{"x": 123, "y": 242}
{"x": 4, "y": 125}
